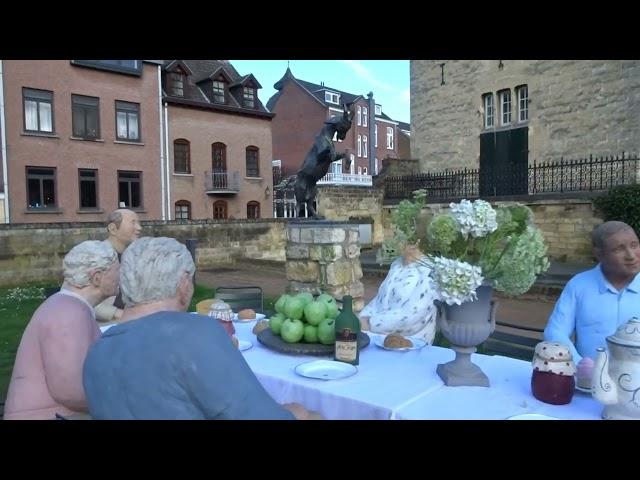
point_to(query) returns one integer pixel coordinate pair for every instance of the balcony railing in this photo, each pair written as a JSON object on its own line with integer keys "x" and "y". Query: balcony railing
{"x": 227, "y": 182}
{"x": 346, "y": 179}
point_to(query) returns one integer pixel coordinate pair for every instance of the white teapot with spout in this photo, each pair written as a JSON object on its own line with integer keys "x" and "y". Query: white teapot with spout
{"x": 616, "y": 375}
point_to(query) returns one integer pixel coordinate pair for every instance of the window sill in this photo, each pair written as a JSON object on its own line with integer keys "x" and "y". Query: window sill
{"x": 127, "y": 142}
{"x": 44, "y": 210}
{"x": 182, "y": 174}
{"x": 253, "y": 178}
{"x": 90, "y": 210}
{"x": 80, "y": 139}
{"x": 36, "y": 134}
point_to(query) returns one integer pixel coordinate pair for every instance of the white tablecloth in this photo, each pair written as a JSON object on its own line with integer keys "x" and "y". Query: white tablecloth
{"x": 385, "y": 382}
{"x": 509, "y": 395}
{"x": 404, "y": 385}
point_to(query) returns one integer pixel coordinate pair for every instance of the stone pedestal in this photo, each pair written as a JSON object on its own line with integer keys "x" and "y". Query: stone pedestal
{"x": 324, "y": 256}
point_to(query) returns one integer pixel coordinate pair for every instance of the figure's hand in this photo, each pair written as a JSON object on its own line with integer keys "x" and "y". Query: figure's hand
{"x": 302, "y": 413}
{"x": 585, "y": 368}
{"x": 364, "y": 324}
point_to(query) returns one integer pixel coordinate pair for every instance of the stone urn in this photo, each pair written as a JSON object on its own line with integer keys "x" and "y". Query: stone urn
{"x": 466, "y": 326}
{"x": 616, "y": 374}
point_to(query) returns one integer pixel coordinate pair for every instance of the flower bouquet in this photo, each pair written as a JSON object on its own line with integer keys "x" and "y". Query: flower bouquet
{"x": 470, "y": 244}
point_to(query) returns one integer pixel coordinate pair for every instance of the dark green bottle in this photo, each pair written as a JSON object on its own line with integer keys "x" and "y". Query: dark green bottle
{"x": 347, "y": 328}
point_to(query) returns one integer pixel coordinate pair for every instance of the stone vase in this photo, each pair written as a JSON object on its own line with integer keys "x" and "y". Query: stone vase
{"x": 466, "y": 326}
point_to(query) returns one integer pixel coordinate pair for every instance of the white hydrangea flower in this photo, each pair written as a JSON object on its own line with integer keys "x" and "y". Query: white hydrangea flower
{"x": 456, "y": 281}
{"x": 477, "y": 218}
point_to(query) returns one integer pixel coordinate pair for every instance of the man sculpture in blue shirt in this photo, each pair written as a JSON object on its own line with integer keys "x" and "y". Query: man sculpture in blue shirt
{"x": 596, "y": 302}
{"x": 163, "y": 363}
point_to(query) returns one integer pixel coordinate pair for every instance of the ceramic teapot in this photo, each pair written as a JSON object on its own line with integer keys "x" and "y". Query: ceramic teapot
{"x": 616, "y": 375}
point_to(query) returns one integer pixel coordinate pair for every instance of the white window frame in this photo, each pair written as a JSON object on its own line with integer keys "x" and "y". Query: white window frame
{"x": 359, "y": 115}
{"x": 364, "y": 171}
{"x": 376, "y": 166}
{"x": 359, "y": 170}
{"x": 352, "y": 163}
{"x": 523, "y": 103}
{"x": 336, "y": 167}
{"x": 489, "y": 111}
{"x": 378, "y": 109}
{"x": 389, "y": 138}
{"x": 505, "y": 107}
{"x": 375, "y": 137}
{"x": 359, "y": 145}
{"x": 332, "y": 97}
{"x": 365, "y": 114}
{"x": 365, "y": 146}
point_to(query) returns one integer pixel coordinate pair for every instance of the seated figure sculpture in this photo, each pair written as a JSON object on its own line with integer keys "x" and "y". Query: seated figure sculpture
{"x": 404, "y": 304}
{"x": 316, "y": 164}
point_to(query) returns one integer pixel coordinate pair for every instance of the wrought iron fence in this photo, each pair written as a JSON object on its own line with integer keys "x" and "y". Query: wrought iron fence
{"x": 588, "y": 174}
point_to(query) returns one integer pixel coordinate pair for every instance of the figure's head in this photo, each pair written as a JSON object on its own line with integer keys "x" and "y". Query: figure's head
{"x": 124, "y": 227}
{"x": 342, "y": 123}
{"x": 92, "y": 264}
{"x": 156, "y": 269}
{"x": 615, "y": 245}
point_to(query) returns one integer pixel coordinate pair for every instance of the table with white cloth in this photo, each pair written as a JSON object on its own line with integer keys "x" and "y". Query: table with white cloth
{"x": 509, "y": 395}
{"x": 405, "y": 385}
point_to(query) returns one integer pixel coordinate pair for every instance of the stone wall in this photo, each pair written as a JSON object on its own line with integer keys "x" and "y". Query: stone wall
{"x": 576, "y": 108}
{"x": 347, "y": 203}
{"x": 566, "y": 225}
{"x": 325, "y": 257}
{"x": 34, "y": 252}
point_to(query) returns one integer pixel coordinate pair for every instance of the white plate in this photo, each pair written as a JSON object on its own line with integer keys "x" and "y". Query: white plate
{"x": 418, "y": 343}
{"x": 259, "y": 316}
{"x": 583, "y": 390}
{"x": 532, "y": 416}
{"x": 244, "y": 345}
{"x": 326, "y": 370}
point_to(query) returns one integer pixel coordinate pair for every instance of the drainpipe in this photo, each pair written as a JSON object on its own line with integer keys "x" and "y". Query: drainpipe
{"x": 3, "y": 140}
{"x": 166, "y": 159}
{"x": 162, "y": 155}
{"x": 371, "y": 144}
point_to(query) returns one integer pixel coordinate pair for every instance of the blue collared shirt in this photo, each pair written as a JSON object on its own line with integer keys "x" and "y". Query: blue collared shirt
{"x": 592, "y": 308}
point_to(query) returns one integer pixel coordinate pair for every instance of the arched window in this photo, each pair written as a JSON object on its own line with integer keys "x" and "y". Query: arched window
{"x": 183, "y": 210}
{"x": 220, "y": 210}
{"x": 181, "y": 156}
{"x": 253, "y": 209}
{"x": 253, "y": 162}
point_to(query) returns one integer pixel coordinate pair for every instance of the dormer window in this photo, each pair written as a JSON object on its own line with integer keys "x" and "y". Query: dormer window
{"x": 332, "y": 97}
{"x": 248, "y": 97}
{"x": 176, "y": 84}
{"x": 218, "y": 91}
{"x": 378, "y": 109}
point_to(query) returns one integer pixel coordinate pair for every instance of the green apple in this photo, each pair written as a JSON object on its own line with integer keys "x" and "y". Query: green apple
{"x": 292, "y": 330}
{"x": 306, "y": 298}
{"x": 275, "y": 323}
{"x": 310, "y": 334}
{"x": 332, "y": 306}
{"x": 315, "y": 312}
{"x": 282, "y": 301}
{"x": 327, "y": 331}
{"x": 294, "y": 308}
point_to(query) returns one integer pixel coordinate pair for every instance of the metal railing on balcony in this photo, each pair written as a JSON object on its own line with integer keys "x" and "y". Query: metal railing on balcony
{"x": 225, "y": 182}
{"x": 346, "y": 179}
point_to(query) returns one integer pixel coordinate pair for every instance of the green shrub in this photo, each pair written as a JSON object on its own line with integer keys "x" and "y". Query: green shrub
{"x": 621, "y": 203}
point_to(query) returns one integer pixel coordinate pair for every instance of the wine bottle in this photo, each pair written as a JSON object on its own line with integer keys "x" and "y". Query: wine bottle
{"x": 347, "y": 327}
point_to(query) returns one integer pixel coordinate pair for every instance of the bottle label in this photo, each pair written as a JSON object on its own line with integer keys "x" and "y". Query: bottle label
{"x": 346, "y": 345}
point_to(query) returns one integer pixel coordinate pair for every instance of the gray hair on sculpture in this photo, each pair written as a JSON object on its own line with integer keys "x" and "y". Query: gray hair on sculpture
{"x": 605, "y": 230}
{"x": 151, "y": 269}
{"x": 85, "y": 259}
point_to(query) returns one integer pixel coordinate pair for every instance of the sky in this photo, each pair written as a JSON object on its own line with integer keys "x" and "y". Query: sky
{"x": 387, "y": 79}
